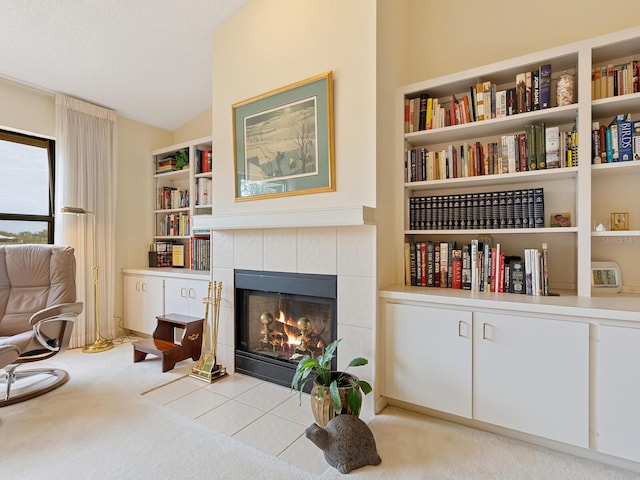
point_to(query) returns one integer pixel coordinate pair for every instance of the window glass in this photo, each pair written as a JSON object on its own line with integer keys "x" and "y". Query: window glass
{"x": 26, "y": 188}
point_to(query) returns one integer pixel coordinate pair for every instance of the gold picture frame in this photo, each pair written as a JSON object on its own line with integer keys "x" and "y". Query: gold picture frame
{"x": 620, "y": 221}
{"x": 283, "y": 141}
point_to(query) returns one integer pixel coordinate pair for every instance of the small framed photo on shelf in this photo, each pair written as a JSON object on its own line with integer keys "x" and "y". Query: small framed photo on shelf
{"x": 560, "y": 219}
{"x": 620, "y": 221}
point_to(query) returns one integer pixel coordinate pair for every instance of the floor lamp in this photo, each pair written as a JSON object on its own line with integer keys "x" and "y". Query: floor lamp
{"x": 99, "y": 345}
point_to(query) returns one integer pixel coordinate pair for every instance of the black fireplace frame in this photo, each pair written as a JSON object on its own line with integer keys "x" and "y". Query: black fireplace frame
{"x": 305, "y": 285}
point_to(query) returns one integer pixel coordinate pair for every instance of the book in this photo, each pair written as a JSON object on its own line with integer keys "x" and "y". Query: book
{"x": 466, "y": 266}
{"x": 612, "y": 142}
{"x": 552, "y": 146}
{"x": 178, "y": 255}
{"x": 407, "y": 263}
{"x": 545, "y": 269}
{"x": 625, "y": 138}
{"x": 538, "y": 207}
{"x": 539, "y": 130}
{"x": 430, "y": 259}
{"x": 512, "y": 106}
{"x": 521, "y": 92}
{"x": 456, "y": 268}
{"x": 636, "y": 140}
{"x": 532, "y": 160}
{"x": 516, "y": 276}
{"x": 545, "y": 86}
{"x": 444, "y": 264}
{"x": 479, "y": 96}
{"x": 528, "y": 91}
{"x": 535, "y": 90}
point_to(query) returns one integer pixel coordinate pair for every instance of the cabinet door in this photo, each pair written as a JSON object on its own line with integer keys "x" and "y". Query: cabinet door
{"x": 532, "y": 375}
{"x": 142, "y": 303}
{"x": 185, "y": 296}
{"x": 428, "y": 357}
{"x": 618, "y": 392}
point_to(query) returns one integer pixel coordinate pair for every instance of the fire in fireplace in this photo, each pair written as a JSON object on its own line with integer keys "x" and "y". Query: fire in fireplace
{"x": 280, "y": 317}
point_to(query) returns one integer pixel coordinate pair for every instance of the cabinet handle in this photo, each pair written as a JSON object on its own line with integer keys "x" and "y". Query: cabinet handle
{"x": 144, "y": 286}
{"x": 183, "y": 292}
{"x": 137, "y": 286}
{"x": 459, "y": 328}
{"x": 484, "y": 331}
{"x": 192, "y": 293}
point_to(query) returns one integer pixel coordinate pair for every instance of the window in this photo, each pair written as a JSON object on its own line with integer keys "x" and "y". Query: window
{"x": 26, "y": 188}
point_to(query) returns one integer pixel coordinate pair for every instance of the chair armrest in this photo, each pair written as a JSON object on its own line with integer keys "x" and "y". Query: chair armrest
{"x": 72, "y": 309}
{"x": 50, "y": 325}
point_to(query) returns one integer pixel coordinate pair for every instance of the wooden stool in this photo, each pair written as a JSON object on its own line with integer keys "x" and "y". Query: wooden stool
{"x": 162, "y": 343}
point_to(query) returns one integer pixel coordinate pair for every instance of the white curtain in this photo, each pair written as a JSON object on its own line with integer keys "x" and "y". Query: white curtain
{"x": 86, "y": 156}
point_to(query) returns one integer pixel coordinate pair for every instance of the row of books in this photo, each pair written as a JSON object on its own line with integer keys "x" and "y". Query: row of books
{"x": 617, "y": 142}
{"x": 613, "y": 80}
{"x": 176, "y": 224}
{"x": 167, "y": 164}
{"x": 203, "y": 191}
{"x": 476, "y": 266}
{"x": 171, "y": 198}
{"x": 200, "y": 253}
{"x": 203, "y": 160}
{"x": 531, "y": 91}
{"x": 538, "y": 147}
{"x": 523, "y": 208}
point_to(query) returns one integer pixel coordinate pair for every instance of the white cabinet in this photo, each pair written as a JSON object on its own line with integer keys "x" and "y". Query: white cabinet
{"x": 185, "y": 296}
{"x": 618, "y": 392}
{"x": 532, "y": 375}
{"x": 428, "y": 357}
{"x": 525, "y": 373}
{"x": 143, "y": 301}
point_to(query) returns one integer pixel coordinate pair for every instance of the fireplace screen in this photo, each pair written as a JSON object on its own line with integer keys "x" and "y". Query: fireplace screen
{"x": 280, "y": 317}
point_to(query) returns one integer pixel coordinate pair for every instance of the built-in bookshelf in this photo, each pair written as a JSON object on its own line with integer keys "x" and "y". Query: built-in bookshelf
{"x": 527, "y": 124}
{"x": 183, "y": 189}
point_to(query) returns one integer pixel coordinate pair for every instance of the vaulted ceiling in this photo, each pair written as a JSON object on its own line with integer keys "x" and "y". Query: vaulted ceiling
{"x": 149, "y": 60}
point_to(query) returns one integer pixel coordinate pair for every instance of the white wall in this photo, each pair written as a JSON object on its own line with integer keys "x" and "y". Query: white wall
{"x": 269, "y": 44}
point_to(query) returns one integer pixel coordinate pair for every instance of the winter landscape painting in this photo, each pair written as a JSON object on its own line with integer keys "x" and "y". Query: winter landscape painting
{"x": 284, "y": 141}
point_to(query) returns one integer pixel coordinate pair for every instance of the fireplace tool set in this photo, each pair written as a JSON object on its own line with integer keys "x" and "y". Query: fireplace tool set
{"x": 207, "y": 369}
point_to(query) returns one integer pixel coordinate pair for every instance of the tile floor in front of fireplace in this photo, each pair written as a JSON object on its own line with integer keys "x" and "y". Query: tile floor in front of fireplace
{"x": 266, "y": 416}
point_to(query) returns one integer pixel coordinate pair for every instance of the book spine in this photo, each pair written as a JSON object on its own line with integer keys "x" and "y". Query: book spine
{"x": 545, "y": 86}
{"x": 538, "y": 207}
{"x": 625, "y": 142}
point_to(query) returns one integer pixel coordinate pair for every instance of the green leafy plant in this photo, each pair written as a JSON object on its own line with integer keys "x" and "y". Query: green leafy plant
{"x": 182, "y": 159}
{"x": 318, "y": 369}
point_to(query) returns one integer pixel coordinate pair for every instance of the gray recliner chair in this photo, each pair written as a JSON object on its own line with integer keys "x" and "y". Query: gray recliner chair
{"x": 38, "y": 309}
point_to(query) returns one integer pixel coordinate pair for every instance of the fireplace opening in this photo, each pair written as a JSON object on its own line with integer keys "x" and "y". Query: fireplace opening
{"x": 279, "y": 318}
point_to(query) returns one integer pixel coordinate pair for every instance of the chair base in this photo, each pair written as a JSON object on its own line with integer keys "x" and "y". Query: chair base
{"x": 30, "y": 383}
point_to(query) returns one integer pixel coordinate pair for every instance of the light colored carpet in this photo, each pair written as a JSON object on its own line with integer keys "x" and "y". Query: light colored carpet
{"x": 99, "y": 426}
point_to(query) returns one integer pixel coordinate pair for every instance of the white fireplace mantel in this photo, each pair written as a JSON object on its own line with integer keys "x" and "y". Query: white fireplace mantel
{"x": 321, "y": 217}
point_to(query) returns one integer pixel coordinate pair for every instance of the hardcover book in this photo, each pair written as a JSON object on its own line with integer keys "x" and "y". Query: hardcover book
{"x": 552, "y": 145}
{"x": 545, "y": 86}
{"x": 625, "y": 138}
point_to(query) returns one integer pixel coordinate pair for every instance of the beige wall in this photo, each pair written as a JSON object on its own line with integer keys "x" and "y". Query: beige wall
{"x": 455, "y": 35}
{"x": 197, "y": 127}
{"x": 269, "y": 44}
{"x": 27, "y": 109}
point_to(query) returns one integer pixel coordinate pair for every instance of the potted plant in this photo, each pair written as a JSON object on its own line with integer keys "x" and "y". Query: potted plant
{"x": 182, "y": 159}
{"x": 333, "y": 392}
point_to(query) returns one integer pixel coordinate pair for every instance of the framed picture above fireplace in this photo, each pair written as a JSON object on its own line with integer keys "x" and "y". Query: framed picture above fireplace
{"x": 283, "y": 141}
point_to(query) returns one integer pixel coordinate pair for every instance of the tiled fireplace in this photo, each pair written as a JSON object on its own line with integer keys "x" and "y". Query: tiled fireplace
{"x": 279, "y": 318}
{"x": 346, "y": 251}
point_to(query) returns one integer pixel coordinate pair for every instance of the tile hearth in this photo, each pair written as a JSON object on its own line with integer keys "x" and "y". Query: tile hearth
{"x": 266, "y": 416}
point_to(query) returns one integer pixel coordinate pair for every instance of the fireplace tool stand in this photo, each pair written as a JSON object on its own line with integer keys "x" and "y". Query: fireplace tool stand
{"x": 207, "y": 369}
